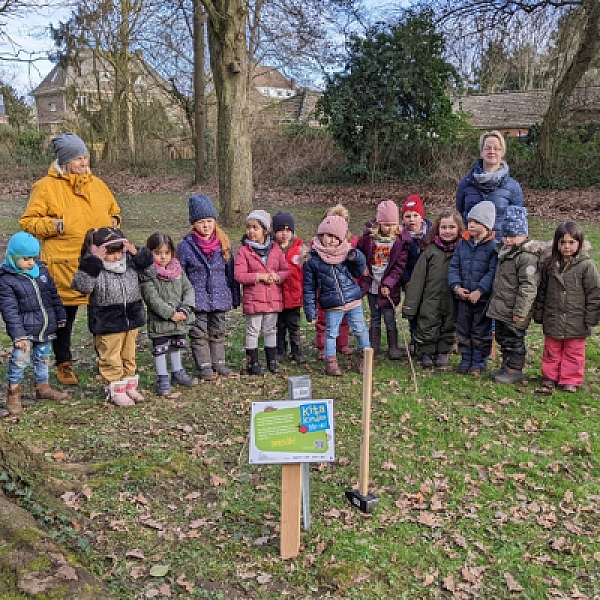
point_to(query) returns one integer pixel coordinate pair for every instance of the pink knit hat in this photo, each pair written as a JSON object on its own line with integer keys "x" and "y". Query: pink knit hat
{"x": 387, "y": 213}
{"x": 334, "y": 225}
{"x": 415, "y": 203}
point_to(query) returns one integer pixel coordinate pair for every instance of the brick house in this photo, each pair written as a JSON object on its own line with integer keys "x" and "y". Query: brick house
{"x": 64, "y": 90}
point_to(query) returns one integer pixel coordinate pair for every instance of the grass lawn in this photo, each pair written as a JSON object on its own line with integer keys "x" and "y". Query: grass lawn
{"x": 485, "y": 490}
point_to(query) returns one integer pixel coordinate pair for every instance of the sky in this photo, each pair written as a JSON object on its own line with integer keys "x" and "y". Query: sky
{"x": 29, "y": 34}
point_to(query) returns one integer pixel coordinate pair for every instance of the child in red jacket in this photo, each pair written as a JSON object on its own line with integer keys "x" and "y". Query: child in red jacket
{"x": 260, "y": 268}
{"x": 290, "y": 318}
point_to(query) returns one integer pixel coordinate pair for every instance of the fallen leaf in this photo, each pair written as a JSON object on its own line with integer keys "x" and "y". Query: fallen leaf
{"x": 159, "y": 570}
{"x": 512, "y": 584}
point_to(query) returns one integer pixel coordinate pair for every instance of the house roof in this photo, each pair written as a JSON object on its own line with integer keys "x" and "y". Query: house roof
{"x": 302, "y": 106}
{"x": 519, "y": 110}
{"x": 56, "y": 79}
{"x": 270, "y": 77}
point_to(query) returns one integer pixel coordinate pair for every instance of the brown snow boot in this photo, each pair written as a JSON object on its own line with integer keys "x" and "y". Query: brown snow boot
{"x": 375, "y": 339}
{"x": 332, "y": 367}
{"x": 13, "y": 399}
{"x": 65, "y": 374}
{"x": 43, "y": 391}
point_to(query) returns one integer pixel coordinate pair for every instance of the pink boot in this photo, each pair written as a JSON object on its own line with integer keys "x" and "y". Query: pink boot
{"x": 131, "y": 388}
{"x": 117, "y": 393}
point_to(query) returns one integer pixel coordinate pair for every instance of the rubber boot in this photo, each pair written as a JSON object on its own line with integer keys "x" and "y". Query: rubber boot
{"x": 13, "y": 399}
{"x": 478, "y": 364}
{"x": 466, "y": 359}
{"x": 253, "y": 366}
{"x": 131, "y": 385}
{"x": 332, "y": 367}
{"x": 375, "y": 339}
{"x": 281, "y": 348}
{"x": 393, "y": 349}
{"x": 43, "y": 391}
{"x": 297, "y": 355}
{"x": 117, "y": 394}
{"x": 272, "y": 363}
{"x": 65, "y": 374}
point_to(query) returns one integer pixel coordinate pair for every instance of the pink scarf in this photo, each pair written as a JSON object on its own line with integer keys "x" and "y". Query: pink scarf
{"x": 169, "y": 273}
{"x": 332, "y": 256}
{"x": 208, "y": 246}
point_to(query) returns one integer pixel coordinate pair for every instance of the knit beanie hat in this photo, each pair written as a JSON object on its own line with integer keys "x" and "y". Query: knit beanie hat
{"x": 334, "y": 225}
{"x": 415, "y": 203}
{"x": 201, "y": 207}
{"x": 282, "y": 220}
{"x": 515, "y": 221}
{"x": 262, "y": 216}
{"x": 68, "y": 146}
{"x": 108, "y": 236}
{"x": 387, "y": 213}
{"x": 22, "y": 245}
{"x": 484, "y": 213}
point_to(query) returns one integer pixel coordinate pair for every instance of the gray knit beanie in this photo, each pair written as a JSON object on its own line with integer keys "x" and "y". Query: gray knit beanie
{"x": 68, "y": 146}
{"x": 262, "y": 216}
{"x": 484, "y": 213}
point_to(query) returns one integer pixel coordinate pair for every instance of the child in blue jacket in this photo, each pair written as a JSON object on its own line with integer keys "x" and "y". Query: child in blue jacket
{"x": 32, "y": 311}
{"x": 470, "y": 276}
{"x": 330, "y": 274}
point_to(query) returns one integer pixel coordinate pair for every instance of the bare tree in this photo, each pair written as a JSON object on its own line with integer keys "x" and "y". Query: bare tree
{"x": 489, "y": 13}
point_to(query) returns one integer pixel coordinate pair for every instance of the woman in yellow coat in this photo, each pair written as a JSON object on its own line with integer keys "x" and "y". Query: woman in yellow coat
{"x": 62, "y": 207}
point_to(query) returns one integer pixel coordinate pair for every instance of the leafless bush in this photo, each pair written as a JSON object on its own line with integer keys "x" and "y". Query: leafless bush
{"x": 293, "y": 153}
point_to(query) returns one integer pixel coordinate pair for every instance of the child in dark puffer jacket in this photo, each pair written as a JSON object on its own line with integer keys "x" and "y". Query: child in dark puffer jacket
{"x": 329, "y": 275}
{"x": 32, "y": 311}
{"x": 109, "y": 272}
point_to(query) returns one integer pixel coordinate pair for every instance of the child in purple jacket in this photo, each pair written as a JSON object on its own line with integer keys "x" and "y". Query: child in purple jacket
{"x": 207, "y": 260}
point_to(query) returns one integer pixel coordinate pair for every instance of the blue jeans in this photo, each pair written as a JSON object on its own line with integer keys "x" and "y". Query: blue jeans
{"x": 20, "y": 359}
{"x": 356, "y": 320}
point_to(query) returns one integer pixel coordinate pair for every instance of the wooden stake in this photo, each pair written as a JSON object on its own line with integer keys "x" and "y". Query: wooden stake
{"x": 363, "y": 483}
{"x": 291, "y": 494}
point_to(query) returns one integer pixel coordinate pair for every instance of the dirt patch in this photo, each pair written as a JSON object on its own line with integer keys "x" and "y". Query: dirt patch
{"x": 580, "y": 204}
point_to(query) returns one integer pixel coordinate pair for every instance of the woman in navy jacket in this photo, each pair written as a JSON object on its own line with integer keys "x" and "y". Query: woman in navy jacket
{"x": 489, "y": 179}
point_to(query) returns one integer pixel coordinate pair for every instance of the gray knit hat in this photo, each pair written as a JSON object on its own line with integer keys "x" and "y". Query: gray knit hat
{"x": 68, "y": 146}
{"x": 515, "y": 221}
{"x": 262, "y": 216}
{"x": 201, "y": 207}
{"x": 484, "y": 213}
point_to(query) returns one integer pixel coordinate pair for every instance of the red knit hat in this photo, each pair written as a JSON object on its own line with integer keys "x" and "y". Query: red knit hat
{"x": 387, "y": 213}
{"x": 334, "y": 225}
{"x": 415, "y": 203}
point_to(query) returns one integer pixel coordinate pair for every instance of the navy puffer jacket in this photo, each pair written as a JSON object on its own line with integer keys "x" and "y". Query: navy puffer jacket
{"x": 31, "y": 308}
{"x": 470, "y": 192}
{"x": 336, "y": 283}
{"x": 473, "y": 266}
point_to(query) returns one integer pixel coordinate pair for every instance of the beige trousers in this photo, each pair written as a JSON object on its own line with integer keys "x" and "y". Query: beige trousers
{"x": 116, "y": 355}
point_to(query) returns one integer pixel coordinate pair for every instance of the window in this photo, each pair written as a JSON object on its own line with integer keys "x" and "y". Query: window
{"x": 52, "y": 106}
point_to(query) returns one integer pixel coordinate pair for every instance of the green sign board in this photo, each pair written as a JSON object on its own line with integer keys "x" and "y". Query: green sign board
{"x": 292, "y": 431}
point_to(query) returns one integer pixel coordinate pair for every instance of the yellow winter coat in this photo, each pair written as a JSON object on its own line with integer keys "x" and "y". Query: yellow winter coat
{"x": 82, "y": 202}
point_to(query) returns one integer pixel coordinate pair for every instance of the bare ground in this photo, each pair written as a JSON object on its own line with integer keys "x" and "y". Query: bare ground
{"x": 579, "y": 204}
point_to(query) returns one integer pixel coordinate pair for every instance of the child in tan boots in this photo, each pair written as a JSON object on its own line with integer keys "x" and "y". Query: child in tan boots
{"x": 32, "y": 311}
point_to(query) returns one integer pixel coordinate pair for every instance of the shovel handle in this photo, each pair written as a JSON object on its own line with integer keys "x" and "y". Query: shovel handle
{"x": 363, "y": 483}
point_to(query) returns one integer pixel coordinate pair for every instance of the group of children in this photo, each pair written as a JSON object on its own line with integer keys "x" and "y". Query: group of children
{"x": 458, "y": 285}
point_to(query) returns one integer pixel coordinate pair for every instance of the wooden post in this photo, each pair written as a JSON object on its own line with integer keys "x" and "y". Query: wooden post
{"x": 363, "y": 482}
{"x": 291, "y": 490}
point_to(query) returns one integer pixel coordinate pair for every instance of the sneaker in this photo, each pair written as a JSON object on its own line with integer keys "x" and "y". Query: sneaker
{"x": 163, "y": 385}
{"x": 568, "y": 387}
{"x": 299, "y": 358}
{"x": 510, "y": 376}
{"x": 427, "y": 361}
{"x": 549, "y": 383}
{"x": 182, "y": 378}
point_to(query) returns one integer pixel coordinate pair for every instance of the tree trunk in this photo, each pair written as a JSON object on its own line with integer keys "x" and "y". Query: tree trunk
{"x": 30, "y": 562}
{"x": 199, "y": 98}
{"x": 227, "y": 43}
{"x": 589, "y": 46}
